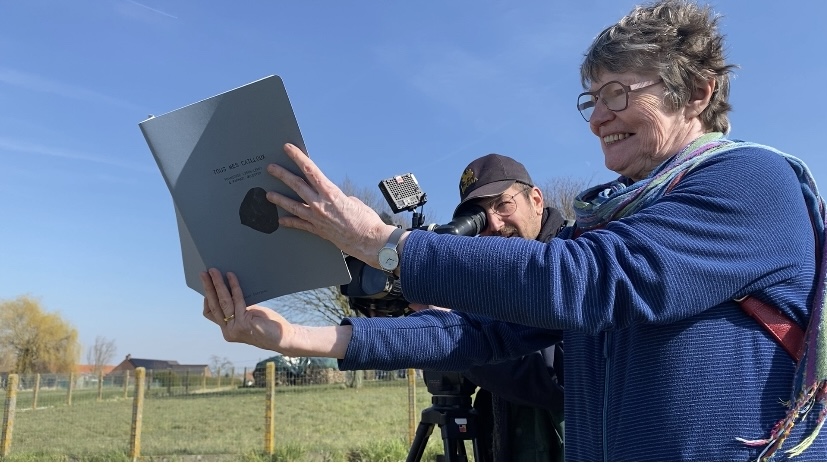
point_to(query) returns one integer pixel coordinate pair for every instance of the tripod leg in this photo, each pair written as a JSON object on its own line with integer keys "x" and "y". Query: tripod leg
{"x": 455, "y": 450}
{"x": 423, "y": 432}
{"x": 476, "y": 448}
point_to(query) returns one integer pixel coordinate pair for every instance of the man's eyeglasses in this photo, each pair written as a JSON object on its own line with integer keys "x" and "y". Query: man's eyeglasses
{"x": 505, "y": 205}
{"x": 614, "y": 94}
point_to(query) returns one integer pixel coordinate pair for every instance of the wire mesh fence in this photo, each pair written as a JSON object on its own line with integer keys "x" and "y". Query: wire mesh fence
{"x": 314, "y": 414}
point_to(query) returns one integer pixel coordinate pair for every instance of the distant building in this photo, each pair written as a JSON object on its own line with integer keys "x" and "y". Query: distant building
{"x": 91, "y": 370}
{"x": 158, "y": 366}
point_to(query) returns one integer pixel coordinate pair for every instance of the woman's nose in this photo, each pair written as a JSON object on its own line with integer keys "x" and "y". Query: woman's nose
{"x": 600, "y": 115}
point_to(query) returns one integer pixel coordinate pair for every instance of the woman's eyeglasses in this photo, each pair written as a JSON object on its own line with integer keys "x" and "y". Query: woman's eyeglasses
{"x": 613, "y": 94}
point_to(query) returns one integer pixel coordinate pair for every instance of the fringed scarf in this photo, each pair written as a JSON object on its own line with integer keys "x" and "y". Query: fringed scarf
{"x": 597, "y": 206}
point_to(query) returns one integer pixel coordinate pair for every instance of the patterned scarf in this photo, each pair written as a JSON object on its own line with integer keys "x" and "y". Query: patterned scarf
{"x": 597, "y": 206}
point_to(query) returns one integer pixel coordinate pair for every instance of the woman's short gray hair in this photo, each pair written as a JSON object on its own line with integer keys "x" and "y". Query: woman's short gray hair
{"x": 677, "y": 39}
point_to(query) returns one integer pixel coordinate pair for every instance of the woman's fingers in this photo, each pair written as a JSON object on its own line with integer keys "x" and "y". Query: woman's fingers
{"x": 315, "y": 178}
{"x": 212, "y": 309}
{"x": 218, "y": 300}
{"x": 237, "y": 296}
{"x": 225, "y": 300}
{"x": 327, "y": 212}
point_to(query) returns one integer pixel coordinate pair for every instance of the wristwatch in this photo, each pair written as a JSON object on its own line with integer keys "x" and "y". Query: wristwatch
{"x": 388, "y": 256}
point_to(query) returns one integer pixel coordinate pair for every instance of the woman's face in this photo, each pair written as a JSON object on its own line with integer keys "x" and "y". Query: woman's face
{"x": 639, "y": 138}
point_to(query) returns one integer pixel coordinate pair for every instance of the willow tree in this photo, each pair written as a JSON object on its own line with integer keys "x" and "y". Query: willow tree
{"x": 33, "y": 340}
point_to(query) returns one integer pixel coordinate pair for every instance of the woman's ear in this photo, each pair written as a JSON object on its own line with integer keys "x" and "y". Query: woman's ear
{"x": 700, "y": 97}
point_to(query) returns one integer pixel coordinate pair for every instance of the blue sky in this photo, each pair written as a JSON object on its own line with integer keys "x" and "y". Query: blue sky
{"x": 379, "y": 88}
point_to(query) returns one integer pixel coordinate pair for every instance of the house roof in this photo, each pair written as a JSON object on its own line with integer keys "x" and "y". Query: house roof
{"x": 150, "y": 364}
{"x": 90, "y": 369}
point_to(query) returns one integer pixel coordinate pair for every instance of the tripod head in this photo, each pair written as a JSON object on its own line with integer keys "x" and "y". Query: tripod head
{"x": 452, "y": 411}
{"x": 449, "y": 389}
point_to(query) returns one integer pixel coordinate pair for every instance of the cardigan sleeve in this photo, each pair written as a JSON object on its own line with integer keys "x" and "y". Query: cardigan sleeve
{"x": 438, "y": 340}
{"x": 734, "y": 225}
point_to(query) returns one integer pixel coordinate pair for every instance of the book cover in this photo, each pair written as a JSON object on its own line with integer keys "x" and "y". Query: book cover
{"x": 213, "y": 155}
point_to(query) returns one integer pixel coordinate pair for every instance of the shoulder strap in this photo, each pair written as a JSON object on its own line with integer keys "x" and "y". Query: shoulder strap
{"x": 782, "y": 329}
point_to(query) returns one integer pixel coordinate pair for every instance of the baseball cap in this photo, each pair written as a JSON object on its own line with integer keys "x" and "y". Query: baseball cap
{"x": 490, "y": 176}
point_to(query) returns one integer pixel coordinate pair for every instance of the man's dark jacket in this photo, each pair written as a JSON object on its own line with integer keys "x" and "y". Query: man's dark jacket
{"x": 520, "y": 402}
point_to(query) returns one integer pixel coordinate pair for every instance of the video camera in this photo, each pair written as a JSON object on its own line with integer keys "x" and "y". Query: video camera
{"x": 376, "y": 293}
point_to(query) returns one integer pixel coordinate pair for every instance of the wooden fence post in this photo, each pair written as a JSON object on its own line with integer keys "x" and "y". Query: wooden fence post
{"x": 269, "y": 410}
{"x": 125, "y": 383}
{"x": 100, "y": 385}
{"x": 8, "y": 414}
{"x": 137, "y": 414}
{"x": 169, "y": 381}
{"x": 36, "y": 391}
{"x": 70, "y": 389}
{"x": 218, "y": 375}
{"x": 187, "y": 382}
{"x": 149, "y": 377}
{"x": 204, "y": 380}
{"x": 412, "y": 417}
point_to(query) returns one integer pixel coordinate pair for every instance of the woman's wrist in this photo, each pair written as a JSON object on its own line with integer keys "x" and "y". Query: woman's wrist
{"x": 398, "y": 271}
{"x": 317, "y": 341}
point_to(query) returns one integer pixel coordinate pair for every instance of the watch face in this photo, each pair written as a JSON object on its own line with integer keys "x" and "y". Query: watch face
{"x": 388, "y": 259}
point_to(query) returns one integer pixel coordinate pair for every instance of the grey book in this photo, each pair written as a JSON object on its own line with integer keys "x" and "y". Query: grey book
{"x": 213, "y": 155}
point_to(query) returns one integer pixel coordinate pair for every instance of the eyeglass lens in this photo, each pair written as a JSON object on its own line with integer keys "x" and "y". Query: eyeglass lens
{"x": 613, "y": 95}
{"x": 506, "y": 205}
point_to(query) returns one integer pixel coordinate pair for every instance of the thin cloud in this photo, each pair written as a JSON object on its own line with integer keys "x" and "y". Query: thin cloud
{"x": 15, "y": 146}
{"x": 152, "y": 9}
{"x": 41, "y": 84}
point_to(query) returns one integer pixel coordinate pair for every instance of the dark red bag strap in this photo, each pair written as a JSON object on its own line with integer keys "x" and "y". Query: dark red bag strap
{"x": 785, "y": 331}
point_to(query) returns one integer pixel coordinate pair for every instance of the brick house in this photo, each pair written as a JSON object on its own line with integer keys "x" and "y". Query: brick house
{"x": 129, "y": 364}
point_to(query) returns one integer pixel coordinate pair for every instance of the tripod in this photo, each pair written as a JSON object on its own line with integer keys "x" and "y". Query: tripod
{"x": 451, "y": 410}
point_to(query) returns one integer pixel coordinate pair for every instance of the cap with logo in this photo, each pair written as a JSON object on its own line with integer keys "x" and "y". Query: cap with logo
{"x": 490, "y": 176}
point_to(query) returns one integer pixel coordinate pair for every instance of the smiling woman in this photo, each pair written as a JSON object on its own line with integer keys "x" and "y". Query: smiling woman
{"x": 648, "y": 285}
{"x": 391, "y": 87}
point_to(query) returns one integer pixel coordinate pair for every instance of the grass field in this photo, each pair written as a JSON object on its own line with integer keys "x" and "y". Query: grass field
{"x": 313, "y": 423}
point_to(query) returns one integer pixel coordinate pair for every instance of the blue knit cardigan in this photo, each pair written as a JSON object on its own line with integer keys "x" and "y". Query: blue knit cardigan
{"x": 661, "y": 364}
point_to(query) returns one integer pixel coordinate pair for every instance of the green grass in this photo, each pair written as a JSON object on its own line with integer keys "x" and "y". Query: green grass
{"x": 313, "y": 423}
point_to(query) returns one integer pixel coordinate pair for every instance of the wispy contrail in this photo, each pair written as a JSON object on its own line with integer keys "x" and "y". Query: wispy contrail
{"x": 11, "y": 145}
{"x": 152, "y": 9}
{"x": 37, "y": 83}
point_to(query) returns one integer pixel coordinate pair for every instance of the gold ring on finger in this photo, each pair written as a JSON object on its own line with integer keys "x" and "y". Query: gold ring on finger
{"x": 228, "y": 318}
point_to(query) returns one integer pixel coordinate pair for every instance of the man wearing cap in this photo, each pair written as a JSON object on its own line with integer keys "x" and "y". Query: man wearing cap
{"x": 523, "y": 398}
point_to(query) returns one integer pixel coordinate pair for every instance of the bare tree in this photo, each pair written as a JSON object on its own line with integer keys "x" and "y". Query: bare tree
{"x": 324, "y": 305}
{"x": 374, "y": 199}
{"x": 221, "y": 365}
{"x": 35, "y": 341}
{"x": 560, "y": 193}
{"x": 101, "y": 353}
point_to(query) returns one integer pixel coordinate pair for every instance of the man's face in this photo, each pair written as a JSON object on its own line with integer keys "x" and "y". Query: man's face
{"x": 526, "y": 206}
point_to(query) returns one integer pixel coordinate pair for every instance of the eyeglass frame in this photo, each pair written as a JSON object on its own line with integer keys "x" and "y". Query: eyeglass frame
{"x": 626, "y": 89}
{"x": 500, "y": 199}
